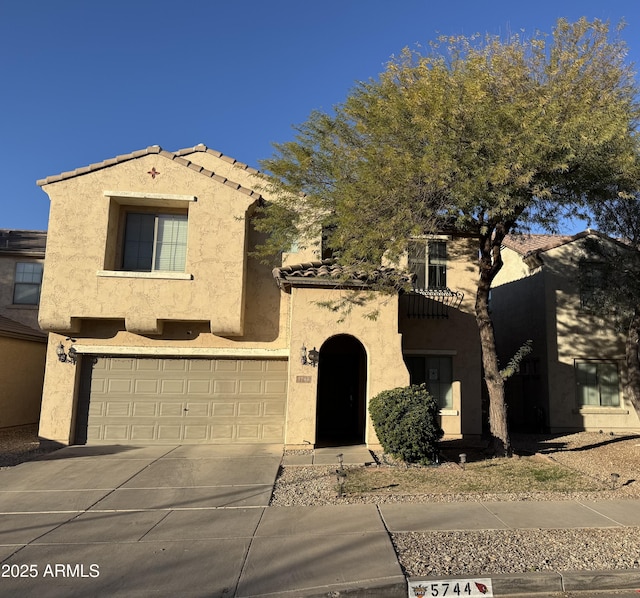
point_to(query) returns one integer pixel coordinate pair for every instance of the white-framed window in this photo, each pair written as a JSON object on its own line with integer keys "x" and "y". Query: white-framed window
{"x": 28, "y": 280}
{"x": 436, "y": 371}
{"x": 597, "y": 384}
{"x": 154, "y": 242}
{"x": 428, "y": 261}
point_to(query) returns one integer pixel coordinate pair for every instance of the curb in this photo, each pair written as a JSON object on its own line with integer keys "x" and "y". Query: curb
{"x": 521, "y": 585}
{"x": 546, "y": 583}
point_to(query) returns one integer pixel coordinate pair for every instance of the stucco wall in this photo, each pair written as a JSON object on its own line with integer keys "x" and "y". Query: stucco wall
{"x": 577, "y": 334}
{"x": 457, "y": 336}
{"x": 545, "y": 306}
{"x": 75, "y": 284}
{"x": 311, "y": 325}
{"x": 21, "y": 377}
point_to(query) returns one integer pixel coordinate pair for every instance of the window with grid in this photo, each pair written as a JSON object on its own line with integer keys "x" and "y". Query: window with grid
{"x": 428, "y": 261}
{"x": 594, "y": 278}
{"x": 436, "y": 372}
{"x": 155, "y": 242}
{"x": 28, "y": 280}
{"x": 597, "y": 384}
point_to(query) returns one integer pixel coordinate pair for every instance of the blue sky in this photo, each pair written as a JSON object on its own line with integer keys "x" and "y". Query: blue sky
{"x": 83, "y": 81}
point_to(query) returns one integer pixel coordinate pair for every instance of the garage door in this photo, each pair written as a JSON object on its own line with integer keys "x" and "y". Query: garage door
{"x": 182, "y": 401}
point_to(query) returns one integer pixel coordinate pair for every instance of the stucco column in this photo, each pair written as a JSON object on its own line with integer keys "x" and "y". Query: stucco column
{"x": 58, "y": 396}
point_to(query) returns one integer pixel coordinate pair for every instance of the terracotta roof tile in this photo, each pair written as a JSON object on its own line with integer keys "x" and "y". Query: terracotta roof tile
{"x": 328, "y": 272}
{"x": 526, "y": 243}
{"x": 175, "y": 156}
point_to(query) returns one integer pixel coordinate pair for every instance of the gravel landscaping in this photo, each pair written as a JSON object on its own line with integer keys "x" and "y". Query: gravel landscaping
{"x": 595, "y": 455}
{"x": 19, "y": 444}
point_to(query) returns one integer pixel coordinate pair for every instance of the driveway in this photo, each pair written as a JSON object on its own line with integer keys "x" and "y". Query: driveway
{"x": 134, "y": 521}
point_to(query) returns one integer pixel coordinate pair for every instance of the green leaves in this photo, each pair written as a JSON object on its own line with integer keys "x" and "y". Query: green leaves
{"x": 472, "y": 132}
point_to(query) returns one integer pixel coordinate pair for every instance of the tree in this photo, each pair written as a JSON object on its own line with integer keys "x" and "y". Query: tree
{"x": 476, "y": 136}
{"x": 617, "y": 296}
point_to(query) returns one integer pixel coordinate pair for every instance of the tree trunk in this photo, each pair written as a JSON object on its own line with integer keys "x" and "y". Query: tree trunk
{"x": 490, "y": 264}
{"x": 632, "y": 387}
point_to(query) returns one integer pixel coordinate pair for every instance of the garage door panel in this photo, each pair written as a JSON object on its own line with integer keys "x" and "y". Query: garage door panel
{"x": 199, "y": 387}
{"x": 146, "y": 387}
{"x": 145, "y": 409}
{"x": 173, "y": 387}
{"x": 185, "y": 401}
{"x": 119, "y": 385}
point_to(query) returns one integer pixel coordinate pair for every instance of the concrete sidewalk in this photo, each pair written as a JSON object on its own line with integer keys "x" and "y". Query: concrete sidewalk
{"x": 195, "y": 521}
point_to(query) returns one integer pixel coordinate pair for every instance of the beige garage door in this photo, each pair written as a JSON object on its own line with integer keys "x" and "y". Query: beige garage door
{"x": 183, "y": 400}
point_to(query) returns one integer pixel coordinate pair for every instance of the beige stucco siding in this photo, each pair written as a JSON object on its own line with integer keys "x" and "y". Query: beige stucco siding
{"x": 545, "y": 307}
{"x": 312, "y": 325}
{"x": 576, "y": 335}
{"x": 79, "y": 282}
{"x": 21, "y": 378}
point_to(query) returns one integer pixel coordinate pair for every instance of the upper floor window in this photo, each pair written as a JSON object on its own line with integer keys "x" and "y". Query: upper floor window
{"x": 597, "y": 384}
{"x": 428, "y": 261}
{"x": 593, "y": 282}
{"x": 155, "y": 242}
{"x": 436, "y": 371}
{"x": 28, "y": 280}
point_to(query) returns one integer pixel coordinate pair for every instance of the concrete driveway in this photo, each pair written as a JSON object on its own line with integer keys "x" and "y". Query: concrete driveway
{"x": 111, "y": 521}
{"x": 134, "y": 521}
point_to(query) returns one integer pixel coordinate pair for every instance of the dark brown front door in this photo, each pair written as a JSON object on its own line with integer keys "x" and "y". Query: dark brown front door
{"x": 341, "y": 392}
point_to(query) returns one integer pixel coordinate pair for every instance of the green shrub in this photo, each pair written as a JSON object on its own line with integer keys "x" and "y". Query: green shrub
{"x": 406, "y": 422}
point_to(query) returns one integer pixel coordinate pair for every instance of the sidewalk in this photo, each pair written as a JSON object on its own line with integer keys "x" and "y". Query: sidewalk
{"x": 195, "y": 521}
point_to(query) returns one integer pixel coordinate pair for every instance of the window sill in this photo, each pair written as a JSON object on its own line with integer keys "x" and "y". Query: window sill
{"x": 22, "y": 306}
{"x": 601, "y": 411}
{"x": 154, "y": 275}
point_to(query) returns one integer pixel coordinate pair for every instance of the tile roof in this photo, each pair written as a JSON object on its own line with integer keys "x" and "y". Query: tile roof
{"x": 174, "y": 156}
{"x": 329, "y": 273}
{"x": 31, "y": 242}
{"x": 11, "y": 328}
{"x": 525, "y": 243}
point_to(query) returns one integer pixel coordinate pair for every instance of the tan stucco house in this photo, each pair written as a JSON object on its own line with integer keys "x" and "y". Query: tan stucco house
{"x": 574, "y": 377}
{"x": 163, "y": 329}
{"x": 22, "y": 343}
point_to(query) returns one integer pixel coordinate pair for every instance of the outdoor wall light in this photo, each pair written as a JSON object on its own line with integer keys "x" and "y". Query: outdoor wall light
{"x": 314, "y": 357}
{"x": 311, "y": 358}
{"x": 67, "y": 357}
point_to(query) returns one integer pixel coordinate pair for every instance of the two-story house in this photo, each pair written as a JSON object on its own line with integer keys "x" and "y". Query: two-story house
{"x": 22, "y": 343}
{"x": 574, "y": 377}
{"x": 165, "y": 330}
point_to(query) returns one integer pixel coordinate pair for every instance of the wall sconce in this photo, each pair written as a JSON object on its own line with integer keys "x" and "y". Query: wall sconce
{"x": 67, "y": 357}
{"x": 310, "y": 358}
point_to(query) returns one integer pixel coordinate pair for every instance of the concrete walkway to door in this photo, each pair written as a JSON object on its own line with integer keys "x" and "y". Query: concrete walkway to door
{"x": 179, "y": 521}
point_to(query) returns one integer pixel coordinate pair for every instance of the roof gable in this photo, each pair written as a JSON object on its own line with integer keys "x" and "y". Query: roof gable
{"x": 176, "y": 157}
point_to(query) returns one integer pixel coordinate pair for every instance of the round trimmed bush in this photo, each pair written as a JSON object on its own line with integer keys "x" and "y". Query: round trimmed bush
{"x": 406, "y": 422}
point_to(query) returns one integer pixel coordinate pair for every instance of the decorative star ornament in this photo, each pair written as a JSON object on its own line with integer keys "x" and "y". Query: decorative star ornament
{"x": 153, "y": 172}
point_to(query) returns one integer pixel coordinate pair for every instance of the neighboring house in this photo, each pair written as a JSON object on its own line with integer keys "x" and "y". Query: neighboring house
{"x": 574, "y": 377}
{"x": 21, "y": 266}
{"x": 22, "y": 343}
{"x": 165, "y": 330}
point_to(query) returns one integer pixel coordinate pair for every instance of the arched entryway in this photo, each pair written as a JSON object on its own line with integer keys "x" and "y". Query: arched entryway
{"x": 342, "y": 382}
